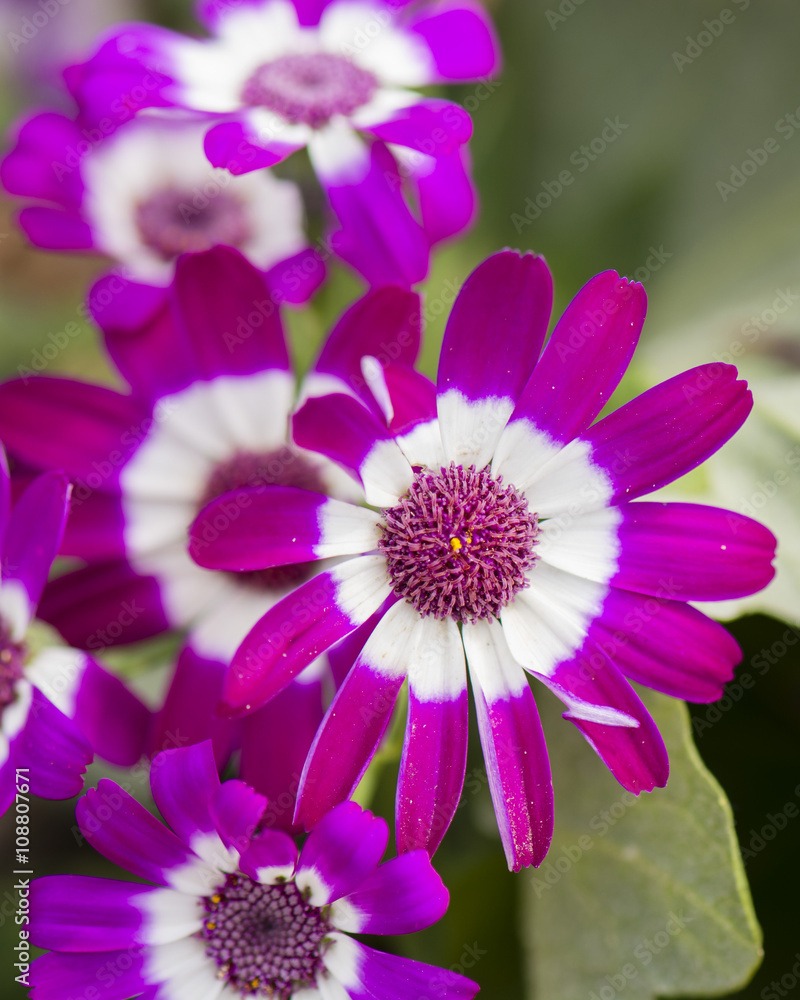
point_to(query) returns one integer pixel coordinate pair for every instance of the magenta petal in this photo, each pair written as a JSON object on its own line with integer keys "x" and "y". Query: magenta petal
{"x": 594, "y": 691}
{"x": 513, "y": 744}
{"x": 585, "y": 358}
{"x": 666, "y": 644}
{"x": 219, "y": 295}
{"x": 103, "y": 605}
{"x": 123, "y": 831}
{"x": 386, "y": 323}
{"x": 237, "y": 810}
{"x": 56, "y": 975}
{"x": 34, "y": 533}
{"x": 39, "y": 166}
{"x": 229, "y": 532}
{"x": 460, "y": 37}
{"x": 434, "y": 127}
{"x": 346, "y": 432}
{"x": 5, "y": 496}
{"x": 95, "y": 526}
{"x": 296, "y": 279}
{"x": 232, "y": 145}
{"x": 447, "y": 199}
{"x": 141, "y": 336}
{"x": 401, "y": 896}
{"x": 347, "y": 739}
{"x": 81, "y": 913}
{"x": 270, "y": 850}
{"x": 298, "y": 629}
{"x": 130, "y": 71}
{"x": 58, "y": 423}
{"x": 413, "y": 398}
{"x": 112, "y": 718}
{"x": 379, "y": 235}
{"x": 691, "y": 552}
{"x": 341, "y": 851}
{"x": 432, "y": 771}
{"x": 122, "y": 305}
{"x": 53, "y": 749}
{"x": 668, "y": 430}
{"x": 275, "y": 743}
{"x": 393, "y": 978}
{"x": 187, "y": 715}
{"x": 496, "y": 328}
{"x": 54, "y": 229}
{"x": 184, "y": 782}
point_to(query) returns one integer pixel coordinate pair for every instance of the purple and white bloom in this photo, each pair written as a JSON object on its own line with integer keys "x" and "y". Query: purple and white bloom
{"x": 235, "y": 910}
{"x": 57, "y": 705}
{"x": 145, "y": 193}
{"x": 211, "y": 389}
{"x": 505, "y": 532}
{"x": 279, "y": 76}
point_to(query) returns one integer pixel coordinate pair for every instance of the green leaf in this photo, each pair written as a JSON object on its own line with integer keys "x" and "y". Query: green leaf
{"x": 638, "y": 897}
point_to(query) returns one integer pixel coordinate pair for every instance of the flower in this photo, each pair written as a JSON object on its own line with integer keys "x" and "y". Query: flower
{"x": 235, "y": 911}
{"x": 281, "y": 76}
{"x": 57, "y": 705}
{"x": 506, "y": 538}
{"x": 211, "y": 389}
{"x": 145, "y": 193}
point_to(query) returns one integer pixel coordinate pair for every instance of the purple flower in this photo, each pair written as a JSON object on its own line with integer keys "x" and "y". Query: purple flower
{"x": 281, "y": 76}
{"x": 57, "y": 705}
{"x": 211, "y": 388}
{"x": 506, "y": 539}
{"x": 146, "y": 193}
{"x": 235, "y": 911}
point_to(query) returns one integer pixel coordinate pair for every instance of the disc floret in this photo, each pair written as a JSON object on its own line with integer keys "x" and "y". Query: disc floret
{"x": 459, "y": 543}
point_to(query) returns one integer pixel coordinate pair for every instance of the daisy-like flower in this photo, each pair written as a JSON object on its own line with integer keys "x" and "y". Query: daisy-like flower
{"x": 145, "y": 193}
{"x": 235, "y": 911}
{"x": 57, "y": 705}
{"x": 280, "y": 76}
{"x": 211, "y": 388}
{"x": 506, "y": 536}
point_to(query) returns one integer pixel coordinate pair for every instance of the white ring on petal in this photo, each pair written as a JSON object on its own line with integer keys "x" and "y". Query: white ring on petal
{"x": 471, "y": 428}
{"x": 168, "y": 915}
{"x": 58, "y": 671}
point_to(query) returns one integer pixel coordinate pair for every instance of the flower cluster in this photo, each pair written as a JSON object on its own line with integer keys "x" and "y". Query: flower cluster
{"x": 320, "y": 540}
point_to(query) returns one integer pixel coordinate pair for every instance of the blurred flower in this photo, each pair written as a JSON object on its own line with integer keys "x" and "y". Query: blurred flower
{"x": 282, "y": 76}
{"x": 211, "y": 391}
{"x": 235, "y": 911}
{"x": 506, "y": 539}
{"x": 57, "y": 706}
{"x": 145, "y": 193}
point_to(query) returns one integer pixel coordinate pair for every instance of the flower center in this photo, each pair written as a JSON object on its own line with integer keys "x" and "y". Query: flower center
{"x": 459, "y": 543}
{"x": 284, "y": 467}
{"x": 310, "y": 89}
{"x": 12, "y": 659}
{"x": 174, "y": 221}
{"x": 265, "y": 938}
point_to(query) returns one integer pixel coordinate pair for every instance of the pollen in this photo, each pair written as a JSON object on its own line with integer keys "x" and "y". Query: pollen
{"x": 460, "y": 543}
